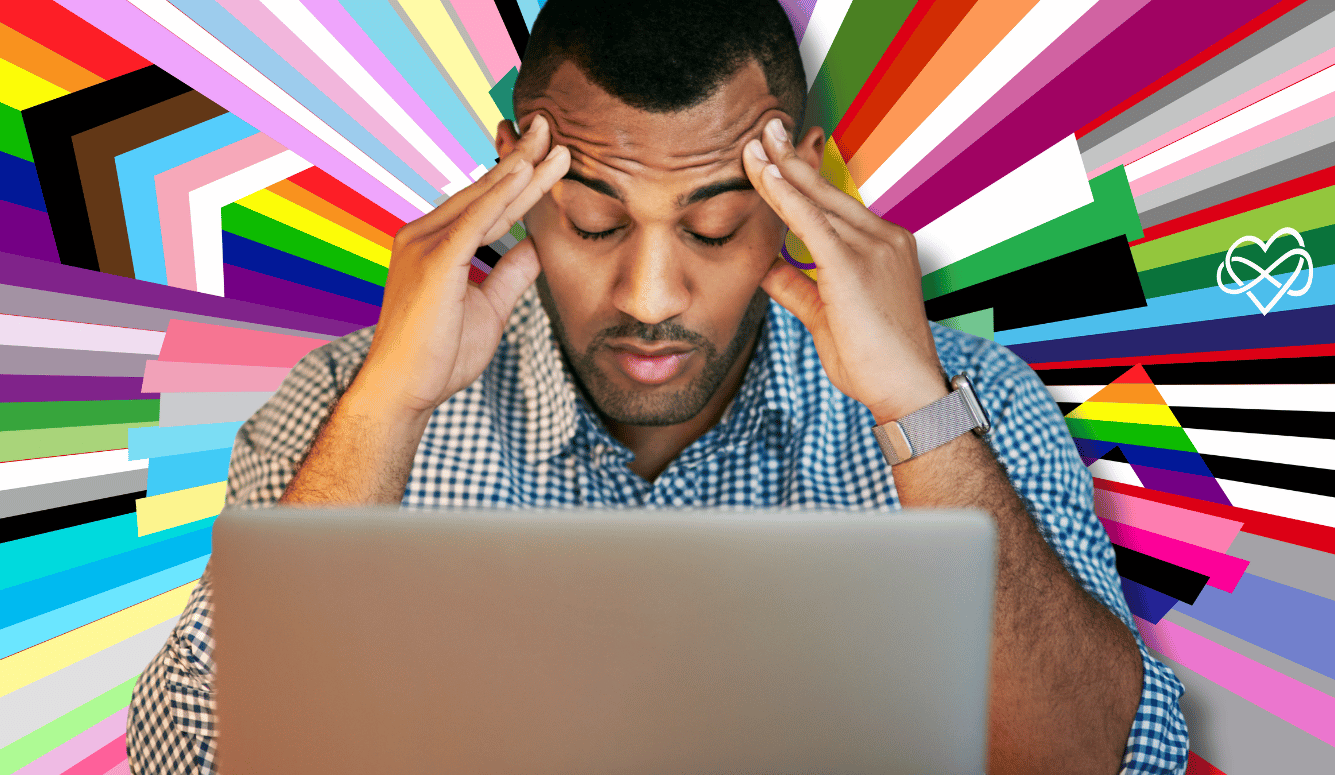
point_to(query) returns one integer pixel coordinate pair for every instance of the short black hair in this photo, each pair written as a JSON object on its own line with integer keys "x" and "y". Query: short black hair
{"x": 664, "y": 56}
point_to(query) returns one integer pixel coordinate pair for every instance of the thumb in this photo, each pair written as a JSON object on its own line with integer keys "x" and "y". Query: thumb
{"x": 512, "y": 275}
{"x": 794, "y": 290}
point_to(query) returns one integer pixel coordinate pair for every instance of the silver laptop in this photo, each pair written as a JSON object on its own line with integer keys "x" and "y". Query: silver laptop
{"x": 588, "y": 642}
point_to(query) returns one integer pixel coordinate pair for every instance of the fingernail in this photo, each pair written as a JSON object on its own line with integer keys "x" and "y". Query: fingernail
{"x": 757, "y": 150}
{"x": 773, "y": 171}
{"x": 776, "y": 131}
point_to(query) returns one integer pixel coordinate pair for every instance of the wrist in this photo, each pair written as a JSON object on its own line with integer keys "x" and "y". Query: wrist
{"x": 378, "y": 401}
{"x": 911, "y": 399}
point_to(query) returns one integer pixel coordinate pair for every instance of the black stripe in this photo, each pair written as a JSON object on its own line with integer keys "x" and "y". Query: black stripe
{"x": 1115, "y": 455}
{"x": 1318, "y": 481}
{"x": 514, "y": 24}
{"x": 38, "y": 522}
{"x": 1317, "y": 425}
{"x": 1172, "y": 580}
{"x": 1093, "y": 375}
{"x": 488, "y": 255}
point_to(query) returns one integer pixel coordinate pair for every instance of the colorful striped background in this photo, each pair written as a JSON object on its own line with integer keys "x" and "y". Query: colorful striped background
{"x": 195, "y": 193}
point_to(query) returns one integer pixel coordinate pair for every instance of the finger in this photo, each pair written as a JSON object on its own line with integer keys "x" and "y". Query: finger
{"x": 552, "y": 169}
{"x": 511, "y": 276}
{"x": 811, "y": 183}
{"x": 464, "y": 235}
{"x": 794, "y": 291}
{"x": 812, "y": 224}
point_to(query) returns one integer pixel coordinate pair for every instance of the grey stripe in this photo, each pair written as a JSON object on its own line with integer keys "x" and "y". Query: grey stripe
{"x": 1241, "y": 738}
{"x": 49, "y": 698}
{"x": 196, "y": 408}
{"x": 52, "y": 361}
{"x": 64, "y": 306}
{"x": 1297, "y": 566}
{"x": 1307, "y": 675}
{"x": 1162, "y": 112}
{"x": 38, "y": 497}
{"x": 1231, "y": 178}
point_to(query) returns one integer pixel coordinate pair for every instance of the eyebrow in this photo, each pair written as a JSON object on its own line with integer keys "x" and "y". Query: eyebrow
{"x": 699, "y": 195}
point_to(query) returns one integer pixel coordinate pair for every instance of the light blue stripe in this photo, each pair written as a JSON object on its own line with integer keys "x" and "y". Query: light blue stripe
{"x": 139, "y": 195}
{"x": 233, "y": 34}
{"x": 42, "y": 555}
{"x": 181, "y": 439}
{"x": 181, "y": 472}
{"x": 529, "y": 8}
{"x": 30, "y": 632}
{"x": 1187, "y": 307}
{"x": 384, "y": 27}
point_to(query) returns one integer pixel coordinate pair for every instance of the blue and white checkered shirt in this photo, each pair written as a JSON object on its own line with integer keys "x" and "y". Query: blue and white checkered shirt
{"x": 522, "y": 435}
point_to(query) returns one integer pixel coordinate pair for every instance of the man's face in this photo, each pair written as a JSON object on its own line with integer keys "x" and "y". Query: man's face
{"x": 654, "y": 246}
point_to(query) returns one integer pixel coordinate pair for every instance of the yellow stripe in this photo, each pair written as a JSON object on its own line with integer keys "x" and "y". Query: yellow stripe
{"x": 833, "y": 169}
{"x": 266, "y": 202}
{"x": 172, "y": 509}
{"x": 20, "y": 89}
{"x": 19, "y": 670}
{"x": 438, "y": 30}
{"x": 1141, "y": 414}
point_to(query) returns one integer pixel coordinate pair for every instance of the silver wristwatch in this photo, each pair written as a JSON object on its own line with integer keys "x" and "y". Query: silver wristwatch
{"x": 941, "y": 421}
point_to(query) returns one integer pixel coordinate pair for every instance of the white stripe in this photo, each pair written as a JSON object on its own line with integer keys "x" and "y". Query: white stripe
{"x": 1114, "y": 471}
{"x": 1047, "y": 186}
{"x": 1035, "y": 32}
{"x": 46, "y": 470}
{"x": 207, "y": 201}
{"x": 199, "y": 39}
{"x": 1310, "y": 398}
{"x": 1253, "y": 115}
{"x": 1289, "y": 450}
{"x": 64, "y": 335}
{"x": 314, "y": 34}
{"x": 1073, "y": 394}
{"x": 819, "y": 36}
{"x": 1304, "y": 506}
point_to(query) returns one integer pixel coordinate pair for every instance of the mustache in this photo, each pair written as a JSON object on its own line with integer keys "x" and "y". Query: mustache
{"x": 657, "y": 332}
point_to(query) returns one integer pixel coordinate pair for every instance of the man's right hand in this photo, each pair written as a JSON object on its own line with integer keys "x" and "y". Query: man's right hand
{"x": 438, "y": 331}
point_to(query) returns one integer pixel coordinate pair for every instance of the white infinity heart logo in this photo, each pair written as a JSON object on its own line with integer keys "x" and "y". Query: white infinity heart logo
{"x": 1264, "y": 274}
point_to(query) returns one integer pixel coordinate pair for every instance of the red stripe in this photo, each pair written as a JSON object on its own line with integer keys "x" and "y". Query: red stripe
{"x": 328, "y": 188}
{"x": 1275, "y": 11}
{"x": 896, "y": 45}
{"x": 60, "y": 30}
{"x": 1290, "y": 531}
{"x": 1266, "y": 196}
{"x": 1198, "y": 766}
{"x": 1262, "y": 353}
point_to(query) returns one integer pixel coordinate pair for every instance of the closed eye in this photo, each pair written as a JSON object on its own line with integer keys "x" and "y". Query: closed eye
{"x": 597, "y": 235}
{"x": 593, "y": 234}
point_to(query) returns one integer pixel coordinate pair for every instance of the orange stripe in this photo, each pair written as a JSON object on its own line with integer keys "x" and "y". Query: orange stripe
{"x": 1129, "y": 393}
{"x": 982, "y": 29}
{"x": 43, "y": 62}
{"x": 303, "y": 198}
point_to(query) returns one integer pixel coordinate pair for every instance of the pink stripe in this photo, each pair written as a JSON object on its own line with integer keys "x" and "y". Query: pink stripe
{"x": 1280, "y": 82}
{"x": 122, "y": 768}
{"x": 174, "y": 377}
{"x": 365, "y": 51}
{"x": 1280, "y": 126}
{"x": 79, "y": 747}
{"x": 98, "y": 762}
{"x": 271, "y": 30}
{"x": 133, "y": 28}
{"x": 1288, "y": 698}
{"x": 1204, "y": 530}
{"x": 174, "y": 187}
{"x": 1224, "y": 571}
{"x": 1070, "y": 46}
{"x": 192, "y": 342}
{"x": 486, "y": 29}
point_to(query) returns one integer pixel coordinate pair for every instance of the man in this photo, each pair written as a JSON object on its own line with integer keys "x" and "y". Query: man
{"x": 667, "y": 356}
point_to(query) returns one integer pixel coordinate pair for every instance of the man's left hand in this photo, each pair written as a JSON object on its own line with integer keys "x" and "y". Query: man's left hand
{"x": 865, "y": 310}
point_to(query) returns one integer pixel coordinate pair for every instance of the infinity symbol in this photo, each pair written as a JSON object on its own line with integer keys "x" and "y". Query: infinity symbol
{"x": 1264, "y": 274}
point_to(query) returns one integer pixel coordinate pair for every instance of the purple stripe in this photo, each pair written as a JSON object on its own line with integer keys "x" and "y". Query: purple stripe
{"x": 1292, "y": 327}
{"x": 30, "y": 387}
{"x": 31, "y": 273}
{"x": 1161, "y": 36}
{"x": 1203, "y": 488}
{"x": 259, "y": 288}
{"x": 26, "y": 232}
{"x": 799, "y": 13}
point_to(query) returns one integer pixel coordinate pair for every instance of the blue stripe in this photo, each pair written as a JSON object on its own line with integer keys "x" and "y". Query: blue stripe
{"x": 181, "y": 439}
{"x": 258, "y": 257}
{"x": 170, "y": 473}
{"x": 19, "y": 184}
{"x": 1148, "y": 604}
{"x": 1166, "y": 459}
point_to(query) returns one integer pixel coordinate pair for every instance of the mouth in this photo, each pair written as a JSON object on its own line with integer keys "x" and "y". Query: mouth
{"x": 651, "y": 366}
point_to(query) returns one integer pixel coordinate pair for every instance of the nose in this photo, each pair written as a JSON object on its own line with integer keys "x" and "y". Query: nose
{"x": 652, "y": 284}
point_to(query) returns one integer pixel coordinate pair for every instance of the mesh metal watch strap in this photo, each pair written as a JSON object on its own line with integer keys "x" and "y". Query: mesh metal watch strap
{"x": 941, "y": 421}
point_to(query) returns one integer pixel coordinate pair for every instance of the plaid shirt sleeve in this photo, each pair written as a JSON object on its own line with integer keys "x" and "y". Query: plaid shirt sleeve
{"x": 1032, "y": 441}
{"x": 171, "y": 726}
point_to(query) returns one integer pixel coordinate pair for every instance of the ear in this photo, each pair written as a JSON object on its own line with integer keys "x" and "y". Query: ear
{"x": 811, "y": 148}
{"x": 507, "y": 137}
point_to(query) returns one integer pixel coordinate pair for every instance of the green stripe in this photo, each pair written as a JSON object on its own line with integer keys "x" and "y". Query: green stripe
{"x": 866, "y": 32}
{"x": 28, "y": 415}
{"x": 1203, "y": 272}
{"x": 47, "y": 442}
{"x": 1112, "y": 213}
{"x": 1309, "y": 211}
{"x": 980, "y": 323}
{"x": 13, "y": 134}
{"x": 1161, "y": 436}
{"x": 244, "y": 222}
{"x": 42, "y": 555}
{"x": 40, "y": 742}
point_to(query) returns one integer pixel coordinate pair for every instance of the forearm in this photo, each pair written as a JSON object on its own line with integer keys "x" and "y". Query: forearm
{"x": 362, "y": 455}
{"x": 1066, "y": 673}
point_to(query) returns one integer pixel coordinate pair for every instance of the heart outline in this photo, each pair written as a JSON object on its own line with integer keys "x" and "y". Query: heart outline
{"x": 1300, "y": 251}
